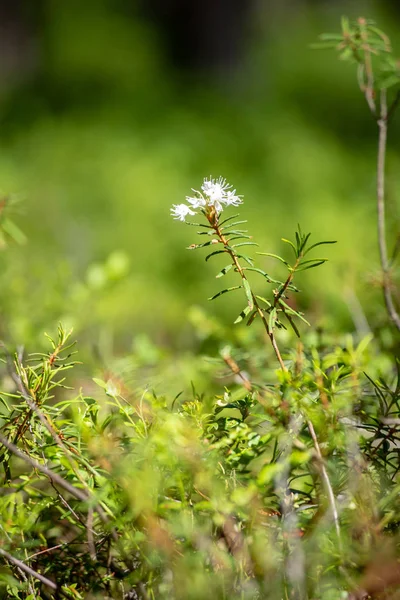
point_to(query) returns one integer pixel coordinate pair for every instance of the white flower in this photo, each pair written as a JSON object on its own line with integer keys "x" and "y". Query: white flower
{"x": 215, "y": 190}
{"x": 196, "y": 201}
{"x": 181, "y": 211}
{"x": 231, "y": 199}
{"x": 214, "y": 194}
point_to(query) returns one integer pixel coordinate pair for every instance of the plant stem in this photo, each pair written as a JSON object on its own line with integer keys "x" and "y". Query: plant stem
{"x": 20, "y": 565}
{"x": 288, "y": 280}
{"x": 382, "y": 125}
{"x": 257, "y": 307}
{"x": 325, "y": 476}
{"x": 369, "y": 89}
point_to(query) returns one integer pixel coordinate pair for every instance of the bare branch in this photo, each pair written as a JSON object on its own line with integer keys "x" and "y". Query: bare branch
{"x": 77, "y": 493}
{"x": 380, "y": 189}
{"x": 328, "y": 485}
{"x": 23, "y": 567}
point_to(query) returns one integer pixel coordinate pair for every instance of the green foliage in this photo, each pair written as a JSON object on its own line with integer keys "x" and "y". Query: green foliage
{"x": 363, "y": 43}
{"x": 173, "y": 497}
{"x": 276, "y": 477}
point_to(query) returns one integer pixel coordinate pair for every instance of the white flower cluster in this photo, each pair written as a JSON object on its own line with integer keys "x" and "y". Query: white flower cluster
{"x": 215, "y": 193}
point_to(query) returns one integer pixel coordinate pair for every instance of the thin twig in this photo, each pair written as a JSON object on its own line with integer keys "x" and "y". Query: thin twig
{"x": 234, "y": 367}
{"x": 382, "y": 125}
{"x": 20, "y": 565}
{"x": 89, "y": 532}
{"x": 295, "y": 558}
{"x": 369, "y": 88}
{"x": 78, "y": 494}
{"x": 328, "y": 484}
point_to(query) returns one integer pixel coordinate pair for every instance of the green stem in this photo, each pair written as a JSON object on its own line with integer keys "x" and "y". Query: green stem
{"x": 241, "y": 272}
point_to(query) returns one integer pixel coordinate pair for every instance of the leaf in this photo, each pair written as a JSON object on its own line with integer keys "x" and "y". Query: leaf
{"x": 319, "y": 244}
{"x": 290, "y": 244}
{"x": 3, "y": 401}
{"x": 238, "y": 236}
{"x": 274, "y": 256}
{"x": 272, "y": 319}
{"x": 233, "y": 224}
{"x": 100, "y": 383}
{"x": 346, "y": 54}
{"x": 245, "y": 312}
{"x": 297, "y": 241}
{"x": 106, "y": 422}
{"x": 249, "y": 294}
{"x": 323, "y": 45}
{"x": 292, "y": 323}
{"x": 13, "y": 231}
{"x": 225, "y": 291}
{"x": 263, "y": 273}
{"x": 390, "y": 81}
{"x": 330, "y": 37}
{"x": 267, "y": 302}
{"x": 291, "y": 311}
{"x": 214, "y": 253}
{"x": 304, "y": 241}
{"x": 311, "y": 266}
{"x": 211, "y": 232}
{"x": 195, "y": 246}
{"x": 198, "y": 225}
{"x": 345, "y": 25}
{"x": 246, "y": 258}
{"x": 229, "y": 219}
{"x": 224, "y": 271}
{"x": 244, "y": 244}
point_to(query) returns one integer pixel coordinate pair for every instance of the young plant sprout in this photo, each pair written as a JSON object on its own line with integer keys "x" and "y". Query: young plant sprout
{"x": 227, "y": 234}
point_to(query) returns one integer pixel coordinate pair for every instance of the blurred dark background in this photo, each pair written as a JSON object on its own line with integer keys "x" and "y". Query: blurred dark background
{"x": 112, "y": 110}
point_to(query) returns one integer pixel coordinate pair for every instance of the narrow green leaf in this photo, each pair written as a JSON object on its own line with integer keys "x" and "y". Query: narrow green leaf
{"x": 264, "y": 274}
{"x": 3, "y": 401}
{"x": 224, "y": 271}
{"x": 233, "y": 225}
{"x": 272, "y": 319}
{"x": 297, "y": 242}
{"x": 304, "y": 241}
{"x": 100, "y": 383}
{"x": 345, "y": 25}
{"x": 229, "y": 219}
{"x": 13, "y": 231}
{"x": 311, "y": 266}
{"x": 290, "y": 244}
{"x": 244, "y": 244}
{"x": 198, "y": 225}
{"x": 293, "y": 312}
{"x": 292, "y": 323}
{"x": 389, "y": 81}
{"x": 245, "y": 312}
{"x": 239, "y": 236}
{"x": 225, "y": 291}
{"x": 330, "y": 37}
{"x": 249, "y": 294}
{"x": 245, "y": 258}
{"x": 267, "y": 302}
{"x": 319, "y": 244}
{"x": 274, "y": 256}
{"x": 214, "y": 253}
{"x": 323, "y": 45}
{"x": 196, "y": 246}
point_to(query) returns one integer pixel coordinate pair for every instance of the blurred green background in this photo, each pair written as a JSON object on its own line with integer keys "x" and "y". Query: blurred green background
{"x": 112, "y": 110}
